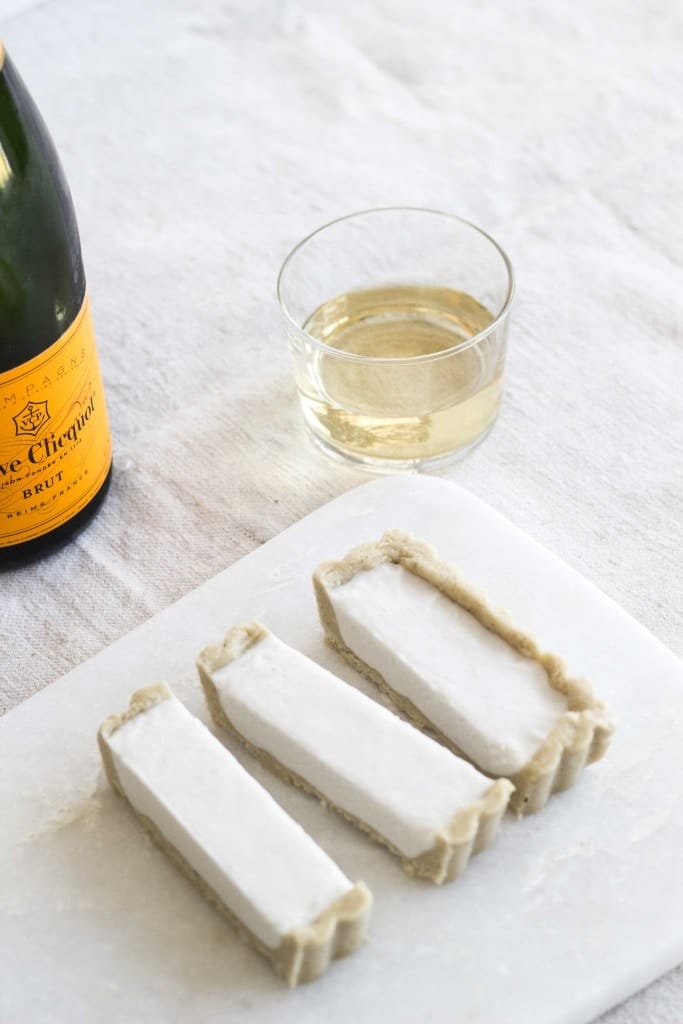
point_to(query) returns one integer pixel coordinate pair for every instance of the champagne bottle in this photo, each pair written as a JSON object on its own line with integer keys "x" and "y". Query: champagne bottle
{"x": 55, "y": 446}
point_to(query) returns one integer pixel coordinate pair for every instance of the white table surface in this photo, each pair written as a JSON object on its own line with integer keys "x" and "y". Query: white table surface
{"x": 203, "y": 139}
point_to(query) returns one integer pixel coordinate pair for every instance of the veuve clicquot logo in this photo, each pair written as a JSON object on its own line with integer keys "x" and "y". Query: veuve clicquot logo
{"x": 56, "y": 450}
{"x": 55, "y": 447}
{"x": 29, "y": 421}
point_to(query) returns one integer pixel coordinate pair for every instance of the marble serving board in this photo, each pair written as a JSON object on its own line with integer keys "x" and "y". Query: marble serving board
{"x": 567, "y": 914}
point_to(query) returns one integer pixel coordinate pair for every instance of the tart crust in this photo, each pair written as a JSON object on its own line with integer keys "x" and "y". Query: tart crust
{"x": 304, "y": 953}
{"x": 468, "y": 832}
{"x": 580, "y": 736}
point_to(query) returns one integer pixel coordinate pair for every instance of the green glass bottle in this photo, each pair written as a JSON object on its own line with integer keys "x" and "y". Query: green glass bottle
{"x": 55, "y": 446}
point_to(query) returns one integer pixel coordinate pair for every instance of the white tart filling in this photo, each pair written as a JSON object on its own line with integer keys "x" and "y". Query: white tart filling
{"x": 357, "y": 754}
{"x": 257, "y": 860}
{"x": 493, "y": 703}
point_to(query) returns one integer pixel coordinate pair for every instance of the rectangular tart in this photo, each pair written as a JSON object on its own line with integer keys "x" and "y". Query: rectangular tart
{"x": 256, "y": 865}
{"x": 455, "y": 667}
{"x": 430, "y": 808}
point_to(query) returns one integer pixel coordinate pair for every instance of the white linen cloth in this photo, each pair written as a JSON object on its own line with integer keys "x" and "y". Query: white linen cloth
{"x": 202, "y": 141}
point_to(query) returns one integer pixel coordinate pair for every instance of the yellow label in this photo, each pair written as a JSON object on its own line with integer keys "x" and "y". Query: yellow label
{"x": 55, "y": 447}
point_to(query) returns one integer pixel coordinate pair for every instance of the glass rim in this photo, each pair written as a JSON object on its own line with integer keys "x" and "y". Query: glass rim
{"x": 429, "y": 356}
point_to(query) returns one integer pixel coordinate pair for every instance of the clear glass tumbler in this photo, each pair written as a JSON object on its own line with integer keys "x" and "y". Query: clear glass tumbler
{"x": 397, "y": 323}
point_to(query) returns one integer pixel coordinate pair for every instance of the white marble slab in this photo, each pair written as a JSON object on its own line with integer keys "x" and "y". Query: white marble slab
{"x": 568, "y": 913}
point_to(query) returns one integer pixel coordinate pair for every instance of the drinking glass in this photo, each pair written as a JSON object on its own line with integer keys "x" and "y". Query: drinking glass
{"x": 397, "y": 323}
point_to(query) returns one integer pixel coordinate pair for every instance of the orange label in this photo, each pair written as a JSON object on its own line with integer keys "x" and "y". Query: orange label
{"x": 55, "y": 448}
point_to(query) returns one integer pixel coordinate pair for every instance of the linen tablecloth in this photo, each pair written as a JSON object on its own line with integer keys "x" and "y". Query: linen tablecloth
{"x": 203, "y": 139}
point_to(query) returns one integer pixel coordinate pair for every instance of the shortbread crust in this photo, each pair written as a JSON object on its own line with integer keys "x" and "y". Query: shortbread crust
{"x": 579, "y": 736}
{"x": 336, "y": 928}
{"x": 431, "y": 809}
